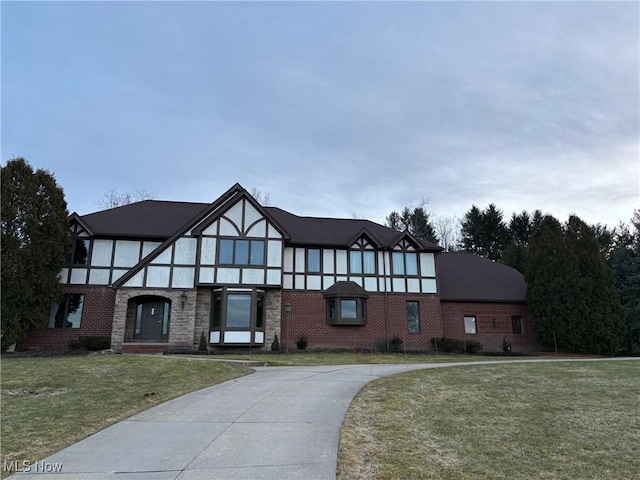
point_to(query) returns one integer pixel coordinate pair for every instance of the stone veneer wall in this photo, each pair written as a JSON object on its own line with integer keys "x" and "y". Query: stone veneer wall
{"x": 182, "y": 320}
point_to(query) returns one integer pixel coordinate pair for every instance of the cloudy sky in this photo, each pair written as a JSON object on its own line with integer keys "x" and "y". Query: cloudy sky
{"x": 334, "y": 108}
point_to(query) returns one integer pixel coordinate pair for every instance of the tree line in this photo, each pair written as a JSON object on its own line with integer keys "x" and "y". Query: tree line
{"x": 583, "y": 281}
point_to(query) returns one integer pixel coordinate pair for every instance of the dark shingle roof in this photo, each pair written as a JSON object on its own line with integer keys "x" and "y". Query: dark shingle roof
{"x": 146, "y": 219}
{"x": 467, "y": 277}
{"x": 161, "y": 219}
{"x": 338, "y": 231}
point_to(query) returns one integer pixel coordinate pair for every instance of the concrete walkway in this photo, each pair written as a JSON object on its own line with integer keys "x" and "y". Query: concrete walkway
{"x": 278, "y": 423}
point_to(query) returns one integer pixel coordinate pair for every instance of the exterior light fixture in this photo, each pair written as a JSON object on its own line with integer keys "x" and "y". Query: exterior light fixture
{"x": 494, "y": 321}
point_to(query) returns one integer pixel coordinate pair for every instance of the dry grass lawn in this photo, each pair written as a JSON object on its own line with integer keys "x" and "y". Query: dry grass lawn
{"x": 573, "y": 420}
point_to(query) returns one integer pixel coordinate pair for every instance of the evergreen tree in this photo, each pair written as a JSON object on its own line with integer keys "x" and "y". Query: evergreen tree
{"x": 570, "y": 290}
{"x": 484, "y": 232}
{"x": 625, "y": 265}
{"x": 601, "y": 328}
{"x": 35, "y": 240}
{"x": 551, "y": 274}
{"x": 416, "y": 221}
{"x": 521, "y": 228}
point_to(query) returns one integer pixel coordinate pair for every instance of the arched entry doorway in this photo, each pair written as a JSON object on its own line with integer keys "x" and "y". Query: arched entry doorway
{"x": 149, "y": 319}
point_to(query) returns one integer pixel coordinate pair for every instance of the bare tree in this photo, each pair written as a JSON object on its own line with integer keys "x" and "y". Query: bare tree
{"x": 263, "y": 198}
{"x": 448, "y": 231}
{"x": 115, "y": 198}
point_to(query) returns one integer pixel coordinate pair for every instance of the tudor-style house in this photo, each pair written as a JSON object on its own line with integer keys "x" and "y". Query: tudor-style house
{"x": 155, "y": 276}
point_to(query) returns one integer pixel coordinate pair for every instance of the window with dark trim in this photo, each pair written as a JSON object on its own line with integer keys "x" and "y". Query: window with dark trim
{"x": 516, "y": 324}
{"x": 241, "y": 252}
{"x": 68, "y": 313}
{"x": 347, "y": 311}
{"x": 470, "y": 325}
{"x": 79, "y": 252}
{"x": 313, "y": 260}
{"x": 413, "y": 317}
{"x": 346, "y": 304}
{"x": 242, "y": 310}
{"x": 404, "y": 263}
{"x": 362, "y": 261}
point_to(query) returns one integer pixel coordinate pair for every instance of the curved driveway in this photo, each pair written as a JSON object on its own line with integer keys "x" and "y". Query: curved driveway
{"x": 280, "y": 422}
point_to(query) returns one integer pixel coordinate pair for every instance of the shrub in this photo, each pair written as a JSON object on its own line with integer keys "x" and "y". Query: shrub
{"x": 275, "y": 345}
{"x": 203, "y": 342}
{"x": 91, "y": 343}
{"x": 453, "y": 345}
{"x": 302, "y": 343}
{"x": 395, "y": 343}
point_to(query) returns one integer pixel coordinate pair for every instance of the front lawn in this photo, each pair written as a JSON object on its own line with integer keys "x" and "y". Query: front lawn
{"x": 49, "y": 403}
{"x": 513, "y": 421}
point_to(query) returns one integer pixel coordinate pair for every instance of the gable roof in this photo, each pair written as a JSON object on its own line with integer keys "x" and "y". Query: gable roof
{"x": 465, "y": 277}
{"x": 164, "y": 219}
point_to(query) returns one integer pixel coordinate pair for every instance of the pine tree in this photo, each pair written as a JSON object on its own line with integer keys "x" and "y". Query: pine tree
{"x": 35, "y": 240}
{"x": 484, "y": 232}
{"x": 550, "y": 275}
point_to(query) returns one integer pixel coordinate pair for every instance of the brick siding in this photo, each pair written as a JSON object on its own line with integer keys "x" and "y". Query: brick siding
{"x": 488, "y": 334}
{"x": 97, "y": 317}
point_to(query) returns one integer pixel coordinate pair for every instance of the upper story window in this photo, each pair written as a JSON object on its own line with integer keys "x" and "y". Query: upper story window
{"x": 241, "y": 252}
{"x": 79, "y": 253}
{"x": 362, "y": 261}
{"x": 405, "y": 263}
{"x": 313, "y": 260}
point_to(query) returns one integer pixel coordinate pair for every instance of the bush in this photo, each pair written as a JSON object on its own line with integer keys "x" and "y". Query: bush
{"x": 302, "y": 343}
{"x": 275, "y": 345}
{"x": 203, "y": 342}
{"x": 453, "y": 345}
{"x": 91, "y": 343}
{"x": 395, "y": 343}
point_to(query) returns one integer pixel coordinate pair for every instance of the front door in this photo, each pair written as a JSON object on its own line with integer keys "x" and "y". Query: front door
{"x": 152, "y": 321}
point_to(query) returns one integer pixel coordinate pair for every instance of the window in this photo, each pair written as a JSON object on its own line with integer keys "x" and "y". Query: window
{"x": 516, "y": 324}
{"x": 346, "y": 304}
{"x": 470, "y": 325}
{"x": 242, "y": 312}
{"x": 241, "y": 252}
{"x": 346, "y": 311}
{"x": 79, "y": 253}
{"x": 362, "y": 262}
{"x": 413, "y": 317}
{"x": 313, "y": 260}
{"x": 68, "y": 314}
{"x": 405, "y": 263}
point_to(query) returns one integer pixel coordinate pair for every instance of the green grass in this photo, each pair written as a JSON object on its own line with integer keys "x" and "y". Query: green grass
{"x": 520, "y": 421}
{"x": 50, "y": 403}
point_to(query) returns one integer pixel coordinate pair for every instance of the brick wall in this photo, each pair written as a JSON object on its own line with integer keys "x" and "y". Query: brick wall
{"x": 97, "y": 316}
{"x": 386, "y": 318}
{"x": 488, "y": 334}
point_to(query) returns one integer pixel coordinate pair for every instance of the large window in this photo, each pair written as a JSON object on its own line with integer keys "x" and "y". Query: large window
{"x": 241, "y": 252}
{"x": 470, "y": 325}
{"x": 362, "y": 261}
{"x": 413, "y": 317}
{"x": 242, "y": 312}
{"x": 68, "y": 313}
{"x": 405, "y": 263}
